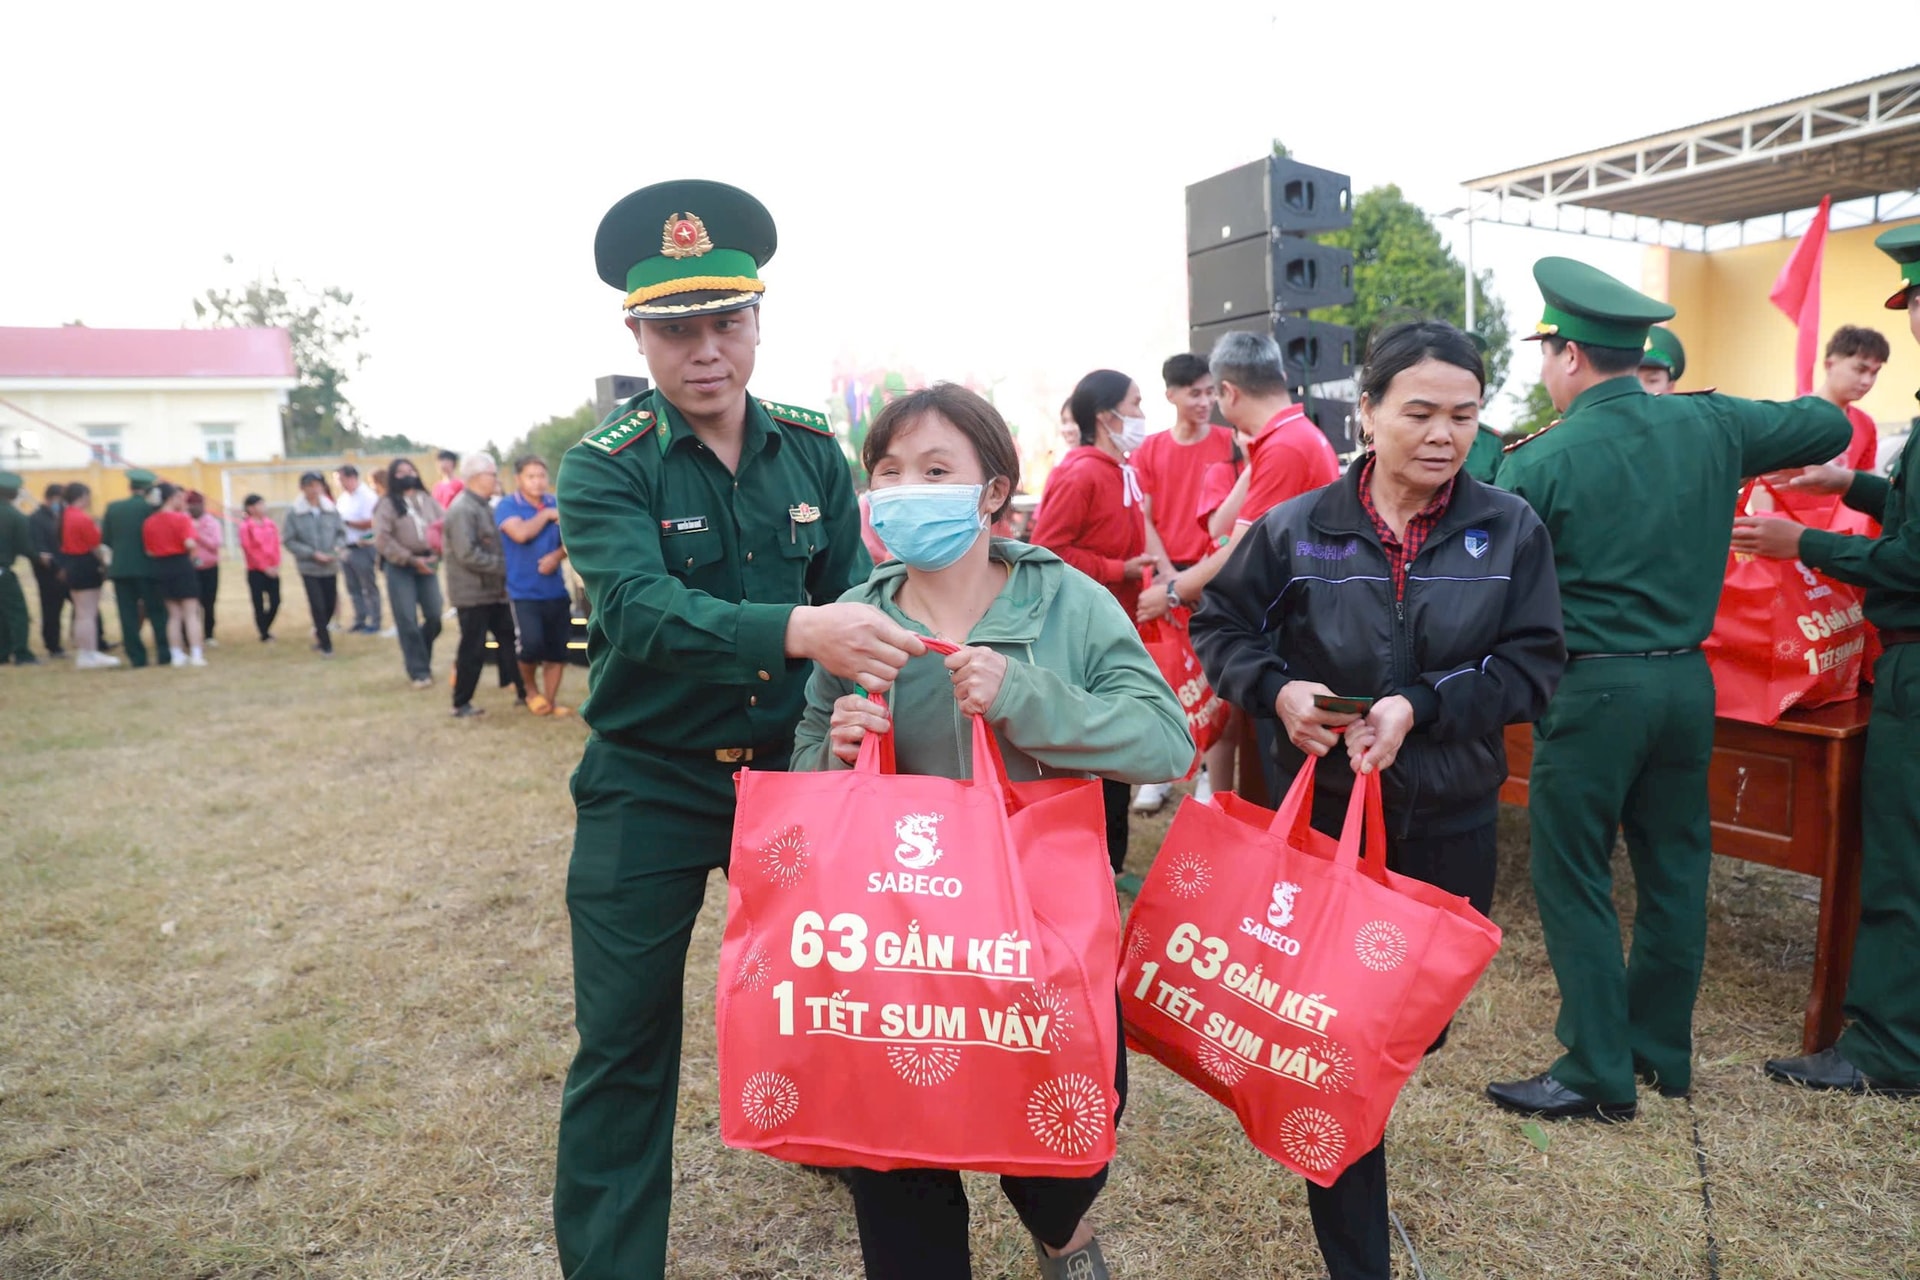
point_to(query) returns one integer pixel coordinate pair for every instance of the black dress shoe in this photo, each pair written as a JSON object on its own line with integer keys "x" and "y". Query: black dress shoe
{"x": 1827, "y": 1069}
{"x": 1547, "y": 1098}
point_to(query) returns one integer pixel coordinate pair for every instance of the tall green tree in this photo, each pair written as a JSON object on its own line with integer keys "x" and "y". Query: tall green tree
{"x": 1536, "y": 412}
{"x": 552, "y": 438}
{"x": 1402, "y": 270}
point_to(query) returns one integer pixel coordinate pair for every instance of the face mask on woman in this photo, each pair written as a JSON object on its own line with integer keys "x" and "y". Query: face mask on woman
{"x": 1132, "y": 434}
{"x": 928, "y": 526}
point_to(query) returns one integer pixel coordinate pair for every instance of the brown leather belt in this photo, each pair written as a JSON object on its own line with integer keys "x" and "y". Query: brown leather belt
{"x": 1891, "y": 636}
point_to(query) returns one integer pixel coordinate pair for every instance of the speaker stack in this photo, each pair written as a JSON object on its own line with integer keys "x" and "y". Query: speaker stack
{"x": 1251, "y": 267}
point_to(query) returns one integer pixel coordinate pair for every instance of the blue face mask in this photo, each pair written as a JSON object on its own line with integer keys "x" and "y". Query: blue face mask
{"x": 927, "y": 526}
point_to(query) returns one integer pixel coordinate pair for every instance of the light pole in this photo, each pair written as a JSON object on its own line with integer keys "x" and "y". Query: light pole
{"x": 1467, "y": 222}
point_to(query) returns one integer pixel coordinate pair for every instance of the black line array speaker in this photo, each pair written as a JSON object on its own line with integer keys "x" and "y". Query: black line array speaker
{"x": 1339, "y": 422}
{"x": 1283, "y": 273}
{"x": 1269, "y": 195}
{"x": 1312, "y": 350}
{"x": 612, "y": 388}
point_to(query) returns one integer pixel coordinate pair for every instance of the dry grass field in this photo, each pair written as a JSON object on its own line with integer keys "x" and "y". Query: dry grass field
{"x": 285, "y": 992}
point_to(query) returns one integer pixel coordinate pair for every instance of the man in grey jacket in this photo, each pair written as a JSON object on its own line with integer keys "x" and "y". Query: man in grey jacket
{"x": 477, "y": 584}
{"x": 313, "y": 535}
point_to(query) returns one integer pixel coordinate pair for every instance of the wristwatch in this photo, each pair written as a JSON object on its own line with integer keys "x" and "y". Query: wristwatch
{"x": 1173, "y": 596}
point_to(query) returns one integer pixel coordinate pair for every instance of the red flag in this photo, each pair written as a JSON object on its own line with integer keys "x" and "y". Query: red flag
{"x": 1796, "y": 291}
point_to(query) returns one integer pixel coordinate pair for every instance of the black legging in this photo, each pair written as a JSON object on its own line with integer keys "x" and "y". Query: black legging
{"x": 209, "y": 592}
{"x": 264, "y": 589}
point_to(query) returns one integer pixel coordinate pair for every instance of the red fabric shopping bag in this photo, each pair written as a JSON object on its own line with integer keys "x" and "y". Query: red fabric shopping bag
{"x": 920, "y": 971}
{"x": 1785, "y": 635}
{"x": 1171, "y": 648}
{"x": 1293, "y": 977}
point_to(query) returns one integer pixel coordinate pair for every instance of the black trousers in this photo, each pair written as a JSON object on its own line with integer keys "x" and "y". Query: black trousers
{"x": 913, "y": 1222}
{"x": 1350, "y": 1217}
{"x": 53, "y": 598}
{"x": 264, "y": 589}
{"x": 323, "y": 599}
{"x": 475, "y": 622}
{"x": 209, "y": 592}
{"x": 1117, "y": 796}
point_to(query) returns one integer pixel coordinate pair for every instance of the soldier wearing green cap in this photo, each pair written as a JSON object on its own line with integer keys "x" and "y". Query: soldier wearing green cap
{"x": 131, "y": 571}
{"x": 1638, "y": 492}
{"x": 16, "y": 540}
{"x": 714, "y": 531}
{"x": 1663, "y": 362}
{"x": 1880, "y": 1049}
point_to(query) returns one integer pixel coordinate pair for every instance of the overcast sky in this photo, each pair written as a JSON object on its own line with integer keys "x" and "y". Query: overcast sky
{"x": 987, "y": 190}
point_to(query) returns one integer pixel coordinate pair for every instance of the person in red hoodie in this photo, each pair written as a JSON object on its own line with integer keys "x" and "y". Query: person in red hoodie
{"x": 1093, "y": 516}
{"x": 260, "y": 544}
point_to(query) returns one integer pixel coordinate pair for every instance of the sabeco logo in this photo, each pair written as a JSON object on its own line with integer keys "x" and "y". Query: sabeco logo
{"x": 1280, "y": 911}
{"x": 1279, "y": 915}
{"x": 918, "y": 849}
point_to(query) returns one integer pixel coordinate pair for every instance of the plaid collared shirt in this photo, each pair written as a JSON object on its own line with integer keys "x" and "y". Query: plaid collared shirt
{"x": 1401, "y": 550}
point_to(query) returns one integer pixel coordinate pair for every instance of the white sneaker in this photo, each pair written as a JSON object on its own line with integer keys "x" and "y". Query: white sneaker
{"x": 95, "y": 661}
{"x": 197, "y": 660}
{"x": 1151, "y": 796}
{"x": 1202, "y": 787}
{"x": 389, "y": 634}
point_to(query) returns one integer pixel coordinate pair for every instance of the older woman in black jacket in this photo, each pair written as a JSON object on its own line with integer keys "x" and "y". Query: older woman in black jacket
{"x": 1410, "y": 584}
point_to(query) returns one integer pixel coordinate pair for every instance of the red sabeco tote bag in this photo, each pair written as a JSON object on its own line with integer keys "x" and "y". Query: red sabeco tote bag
{"x": 1171, "y": 648}
{"x": 1784, "y": 635}
{"x": 919, "y": 971}
{"x": 1294, "y": 977}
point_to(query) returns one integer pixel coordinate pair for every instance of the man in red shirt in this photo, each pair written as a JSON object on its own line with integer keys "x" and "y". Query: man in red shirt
{"x": 1854, "y": 357}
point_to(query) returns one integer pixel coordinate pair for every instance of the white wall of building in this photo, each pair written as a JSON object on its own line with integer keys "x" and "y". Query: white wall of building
{"x": 153, "y": 422}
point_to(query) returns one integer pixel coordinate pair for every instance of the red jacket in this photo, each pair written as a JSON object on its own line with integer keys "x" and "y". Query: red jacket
{"x": 1089, "y": 518}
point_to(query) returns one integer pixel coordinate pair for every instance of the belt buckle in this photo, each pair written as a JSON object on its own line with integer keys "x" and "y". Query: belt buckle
{"x": 733, "y": 755}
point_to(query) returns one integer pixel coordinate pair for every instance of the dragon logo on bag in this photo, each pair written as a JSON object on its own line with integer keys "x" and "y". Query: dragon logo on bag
{"x": 1280, "y": 911}
{"x": 919, "y": 846}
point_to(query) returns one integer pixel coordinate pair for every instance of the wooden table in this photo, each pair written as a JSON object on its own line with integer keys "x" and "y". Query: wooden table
{"x": 1787, "y": 795}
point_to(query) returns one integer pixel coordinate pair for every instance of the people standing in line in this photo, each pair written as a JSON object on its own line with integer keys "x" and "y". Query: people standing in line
{"x": 1441, "y": 609}
{"x": 168, "y": 537}
{"x": 401, "y": 527}
{"x": 208, "y": 537}
{"x": 715, "y": 532}
{"x": 135, "y": 592}
{"x": 1093, "y": 515}
{"x": 43, "y": 524}
{"x": 1059, "y": 674}
{"x": 313, "y": 534}
{"x": 1662, "y": 362}
{"x": 1853, "y": 361}
{"x": 1879, "y": 1051}
{"x": 542, "y": 608}
{"x": 477, "y": 585}
{"x": 16, "y": 543}
{"x": 80, "y": 568}
{"x": 1638, "y": 493}
{"x": 260, "y": 548}
{"x": 357, "y": 504}
{"x": 447, "y": 488}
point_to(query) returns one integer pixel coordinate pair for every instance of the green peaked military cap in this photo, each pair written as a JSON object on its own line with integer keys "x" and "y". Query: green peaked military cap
{"x": 1585, "y": 304}
{"x": 1665, "y": 352}
{"x": 1902, "y": 244}
{"x": 690, "y": 247}
{"x": 141, "y": 478}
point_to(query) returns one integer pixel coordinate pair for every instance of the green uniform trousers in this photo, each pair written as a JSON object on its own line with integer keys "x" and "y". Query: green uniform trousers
{"x": 128, "y": 595}
{"x": 13, "y": 617}
{"x": 1883, "y": 991}
{"x": 1624, "y": 746}
{"x": 650, "y": 828}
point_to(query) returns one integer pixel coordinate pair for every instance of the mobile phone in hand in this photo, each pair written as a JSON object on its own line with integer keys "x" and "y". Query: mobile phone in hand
{"x": 1341, "y": 706}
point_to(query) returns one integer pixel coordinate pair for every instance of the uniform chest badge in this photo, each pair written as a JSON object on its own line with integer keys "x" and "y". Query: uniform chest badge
{"x": 803, "y": 513}
{"x": 684, "y": 236}
{"x": 1476, "y": 543}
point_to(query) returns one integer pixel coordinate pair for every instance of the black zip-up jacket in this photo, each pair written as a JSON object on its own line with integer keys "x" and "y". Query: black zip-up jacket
{"x": 45, "y": 524}
{"x": 1475, "y": 646}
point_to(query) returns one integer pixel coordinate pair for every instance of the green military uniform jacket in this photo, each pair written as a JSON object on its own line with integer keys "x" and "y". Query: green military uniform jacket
{"x": 1887, "y": 566}
{"x": 1638, "y": 492}
{"x": 120, "y": 527}
{"x": 693, "y": 570}
{"x": 1483, "y": 459}
{"x": 16, "y": 536}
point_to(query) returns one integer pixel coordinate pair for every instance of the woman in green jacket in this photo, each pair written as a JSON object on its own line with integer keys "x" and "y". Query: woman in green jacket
{"x": 1055, "y": 666}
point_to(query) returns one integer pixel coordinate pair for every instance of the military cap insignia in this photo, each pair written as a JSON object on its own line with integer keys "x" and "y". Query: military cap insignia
{"x": 793, "y": 415}
{"x": 803, "y": 513}
{"x": 684, "y": 236}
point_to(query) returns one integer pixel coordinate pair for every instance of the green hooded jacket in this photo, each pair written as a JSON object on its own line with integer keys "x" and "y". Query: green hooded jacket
{"x": 1081, "y": 697}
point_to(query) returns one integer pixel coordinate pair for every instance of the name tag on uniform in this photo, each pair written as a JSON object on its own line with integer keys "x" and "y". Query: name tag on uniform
{"x": 684, "y": 524}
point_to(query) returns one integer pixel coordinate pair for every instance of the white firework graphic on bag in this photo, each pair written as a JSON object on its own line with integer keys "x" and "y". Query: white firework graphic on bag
{"x": 1339, "y": 1073}
{"x": 1380, "y": 945}
{"x": 1068, "y": 1114}
{"x": 1220, "y": 1064}
{"x": 1189, "y": 875}
{"x": 769, "y": 1099}
{"x": 784, "y": 857}
{"x": 923, "y": 1064}
{"x": 755, "y": 968}
{"x": 1312, "y": 1139}
{"x": 1045, "y": 997}
{"x": 1138, "y": 941}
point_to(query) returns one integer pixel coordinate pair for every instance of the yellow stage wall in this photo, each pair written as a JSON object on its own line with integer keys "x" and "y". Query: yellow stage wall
{"x": 1738, "y": 341}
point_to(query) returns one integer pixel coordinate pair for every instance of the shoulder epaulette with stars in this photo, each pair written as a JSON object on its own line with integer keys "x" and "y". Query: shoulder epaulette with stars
{"x": 1535, "y": 436}
{"x": 795, "y": 416}
{"x": 623, "y": 426}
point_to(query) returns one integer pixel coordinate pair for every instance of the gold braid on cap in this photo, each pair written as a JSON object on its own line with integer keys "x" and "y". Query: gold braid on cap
{"x": 693, "y": 284}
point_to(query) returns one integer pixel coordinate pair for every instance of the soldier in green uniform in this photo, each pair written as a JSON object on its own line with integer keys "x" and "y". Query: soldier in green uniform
{"x": 1638, "y": 492}
{"x": 16, "y": 540}
{"x": 714, "y": 532}
{"x": 1663, "y": 361}
{"x": 1880, "y": 1050}
{"x": 132, "y": 571}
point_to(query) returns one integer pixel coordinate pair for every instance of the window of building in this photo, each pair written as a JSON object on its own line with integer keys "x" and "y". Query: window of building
{"x": 218, "y": 440}
{"x": 105, "y": 443}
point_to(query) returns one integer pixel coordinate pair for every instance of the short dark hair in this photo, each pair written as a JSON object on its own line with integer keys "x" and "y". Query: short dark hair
{"x": 448, "y": 455}
{"x": 54, "y": 493}
{"x": 166, "y": 491}
{"x": 1603, "y": 359}
{"x": 250, "y": 500}
{"x": 972, "y": 415}
{"x": 347, "y": 469}
{"x": 74, "y": 492}
{"x": 526, "y": 460}
{"x": 1184, "y": 370}
{"x": 1093, "y": 395}
{"x": 1397, "y": 348}
{"x": 1852, "y": 340}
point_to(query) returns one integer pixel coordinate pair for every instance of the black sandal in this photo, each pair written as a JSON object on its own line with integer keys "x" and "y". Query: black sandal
{"x": 1085, "y": 1263}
